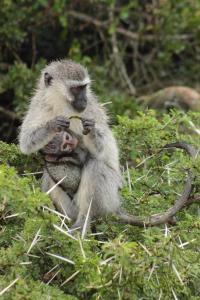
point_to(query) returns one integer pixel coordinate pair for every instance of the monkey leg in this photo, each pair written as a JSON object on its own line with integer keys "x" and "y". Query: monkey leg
{"x": 60, "y": 198}
{"x": 99, "y": 188}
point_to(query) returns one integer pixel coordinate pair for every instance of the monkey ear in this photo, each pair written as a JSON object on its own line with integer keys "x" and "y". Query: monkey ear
{"x": 47, "y": 79}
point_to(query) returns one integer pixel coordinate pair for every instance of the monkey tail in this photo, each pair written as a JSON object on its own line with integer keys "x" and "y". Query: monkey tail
{"x": 181, "y": 201}
{"x": 190, "y": 150}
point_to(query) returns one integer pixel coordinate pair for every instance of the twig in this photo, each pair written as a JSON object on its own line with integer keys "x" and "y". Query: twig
{"x": 105, "y": 24}
{"x": 9, "y": 113}
{"x": 119, "y": 61}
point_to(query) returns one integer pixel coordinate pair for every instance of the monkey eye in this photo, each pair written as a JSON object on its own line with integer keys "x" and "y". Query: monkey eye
{"x": 77, "y": 89}
{"x": 47, "y": 79}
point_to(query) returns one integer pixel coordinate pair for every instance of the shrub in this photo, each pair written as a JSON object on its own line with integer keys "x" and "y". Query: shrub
{"x": 127, "y": 262}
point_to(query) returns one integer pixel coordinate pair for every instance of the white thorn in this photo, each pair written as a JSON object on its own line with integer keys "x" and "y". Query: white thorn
{"x": 129, "y": 177}
{"x": 175, "y": 297}
{"x": 55, "y": 185}
{"x": 53, "y": 276}
{"x": 177, "y": 274}
{"x": 56, "y": 213}
{"x": 86, "y": 221}
{"x": 35, "y": 240}
{"x": 11, "y": 284}
{"x": 69, "y": 278}
{"x": 61, "y": 258}
{"x": 65, "y": 232}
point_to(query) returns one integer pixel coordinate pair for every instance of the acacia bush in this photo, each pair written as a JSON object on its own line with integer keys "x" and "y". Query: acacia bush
{"x": 126, "y": 262}
{"x": 131, "y": 48}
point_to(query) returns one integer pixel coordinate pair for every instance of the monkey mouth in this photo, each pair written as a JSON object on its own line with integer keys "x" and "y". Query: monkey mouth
{"x": 79, "y": 105}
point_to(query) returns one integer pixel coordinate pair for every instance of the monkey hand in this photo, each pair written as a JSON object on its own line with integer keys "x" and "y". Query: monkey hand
{"x": 60, "y": 123}
{"x": 88, "y": 125}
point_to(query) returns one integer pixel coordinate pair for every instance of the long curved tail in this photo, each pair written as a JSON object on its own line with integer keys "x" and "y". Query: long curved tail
{"x": 181, "y": 201}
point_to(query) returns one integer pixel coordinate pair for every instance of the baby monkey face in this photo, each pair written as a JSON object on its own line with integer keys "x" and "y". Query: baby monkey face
{"x": 69, "y": 143}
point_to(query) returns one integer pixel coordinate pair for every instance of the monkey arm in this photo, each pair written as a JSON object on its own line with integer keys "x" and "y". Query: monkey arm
{"x": 95, "y": 141}
{"x": 101, "y": 144}
{"x": 33, "y": 139}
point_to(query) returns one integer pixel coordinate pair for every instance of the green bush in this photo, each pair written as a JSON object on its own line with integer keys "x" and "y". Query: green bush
{"x": 126, "y": 262}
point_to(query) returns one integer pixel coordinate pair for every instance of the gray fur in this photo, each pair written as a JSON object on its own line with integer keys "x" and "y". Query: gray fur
{"x": 66, "y": 70}
{"x": 100, "y": 177}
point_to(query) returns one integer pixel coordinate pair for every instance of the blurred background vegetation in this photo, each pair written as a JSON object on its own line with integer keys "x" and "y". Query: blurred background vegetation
{"x": 130, "y": 47}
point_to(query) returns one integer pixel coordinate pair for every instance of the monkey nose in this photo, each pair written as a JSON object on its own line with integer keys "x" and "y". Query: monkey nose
{"x": 67, "y": 136}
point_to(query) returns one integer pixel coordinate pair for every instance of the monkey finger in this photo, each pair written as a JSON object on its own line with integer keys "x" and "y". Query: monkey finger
{"x": 63, "y": 124}
{"x": 88, "y": 126}
{"x": 63, "y": 121}
{"x": 86, "y": 131}
{"x": 88, "y": 122}
{"x": 59, "y": 128}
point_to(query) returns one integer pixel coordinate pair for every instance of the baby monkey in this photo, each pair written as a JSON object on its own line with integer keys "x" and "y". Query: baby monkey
{"x": 64, "y": 157}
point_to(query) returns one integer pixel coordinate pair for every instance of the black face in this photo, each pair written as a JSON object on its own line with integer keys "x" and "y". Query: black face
{"x": 47, "y": 79}
{"x": 80, "y": 98}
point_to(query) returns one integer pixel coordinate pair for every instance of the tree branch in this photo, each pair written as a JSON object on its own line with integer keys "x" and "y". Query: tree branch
{"x": 119, "y": 61}
{"x": 127, "y": 33}
{"x": 10, "y": 114}
{"x": 104, "y": 24}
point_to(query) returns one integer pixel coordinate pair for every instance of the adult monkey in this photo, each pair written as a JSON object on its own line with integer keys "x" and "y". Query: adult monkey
{"x": 64, "y": 90}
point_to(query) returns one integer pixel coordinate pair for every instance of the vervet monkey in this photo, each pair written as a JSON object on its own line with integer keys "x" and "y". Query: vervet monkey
{"x": 63, "y": 90}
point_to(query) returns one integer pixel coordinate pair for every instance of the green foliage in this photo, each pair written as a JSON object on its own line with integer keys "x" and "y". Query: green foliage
{"x": 21, "y": 80}
{"x": 11, "y": 155}
{"x": 126, "y": 262}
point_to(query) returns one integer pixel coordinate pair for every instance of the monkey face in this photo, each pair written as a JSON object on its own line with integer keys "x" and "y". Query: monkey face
{"x": 69, "y": 143}
{"x": 63, "y": 142}
{"x": 80, "y": 97}
{"x": 66, "y": 81}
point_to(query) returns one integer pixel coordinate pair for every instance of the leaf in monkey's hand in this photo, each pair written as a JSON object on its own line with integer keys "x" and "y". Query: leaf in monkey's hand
{"x": 75, "y": 117}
